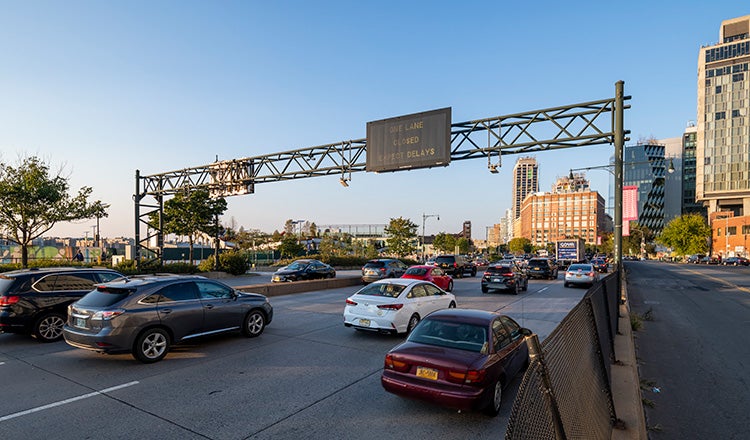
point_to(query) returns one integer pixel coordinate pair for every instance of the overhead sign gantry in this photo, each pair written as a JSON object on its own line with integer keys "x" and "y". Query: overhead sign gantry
{"x": 420, "y": 140}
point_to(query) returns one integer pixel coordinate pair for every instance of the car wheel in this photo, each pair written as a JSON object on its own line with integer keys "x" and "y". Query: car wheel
{"x": 565, "y": 284}
{"x": 254, "y": 324}
{"x": 413, "y": 321}
{"x": 450, "y": 286}
{"x": 452, "y": 305}
{"x": 151, "y": 346}
{"x": 485, "y": 289}
{"x": 473, "y": 272}
{"x": 459, "y": 274}
{"x": 49, "y": 328}
{"x": 493, "y": 407}
{"x": 516, "y": 289}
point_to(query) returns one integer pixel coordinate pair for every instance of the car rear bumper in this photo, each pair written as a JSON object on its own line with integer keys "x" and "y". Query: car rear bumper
{"x": 375, "y": 324}
{"x": 463, "y": 398}
{"x": 101, "y": 342}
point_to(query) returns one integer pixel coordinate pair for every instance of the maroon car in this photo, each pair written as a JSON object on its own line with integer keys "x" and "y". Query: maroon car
{"x": 433, "y": 274}
{"x": 458, "y": 358}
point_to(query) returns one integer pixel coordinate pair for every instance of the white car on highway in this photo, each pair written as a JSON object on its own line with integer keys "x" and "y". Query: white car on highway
{"x": 394, "y": 305}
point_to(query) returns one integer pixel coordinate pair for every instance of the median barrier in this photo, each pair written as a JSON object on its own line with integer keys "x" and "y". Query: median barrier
{"x": 277, "y": 289}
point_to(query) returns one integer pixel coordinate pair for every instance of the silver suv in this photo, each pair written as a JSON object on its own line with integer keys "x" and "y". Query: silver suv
{"x": 375, "y": 270}
{"x": 146, "y": 315}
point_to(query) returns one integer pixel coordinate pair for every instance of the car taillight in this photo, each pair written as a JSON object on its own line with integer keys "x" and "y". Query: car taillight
{"x": 467, "y": 377}
{"x": 393, "y": 364}
{"x": 106, "y": 315}
{"x": 8, "y": 300}
{"x": 350, "y": 302}
{"x": 590, "y": 274}
{"x": 455, "y": 264}
{"x": 390, "y": 306}
{"x": 382, "y": 269}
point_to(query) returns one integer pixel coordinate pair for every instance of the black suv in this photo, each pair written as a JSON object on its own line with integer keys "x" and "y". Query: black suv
{"x": 35, "y": 301}
{"x": 506, "y": 276}
{"x": 455, "y": 265}
{"x": 542, "y": 268}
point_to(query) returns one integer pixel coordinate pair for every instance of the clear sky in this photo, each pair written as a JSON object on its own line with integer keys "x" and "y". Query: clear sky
{"x": 102, "y": 89}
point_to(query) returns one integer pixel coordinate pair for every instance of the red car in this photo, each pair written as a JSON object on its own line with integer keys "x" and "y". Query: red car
{"x": 433, "y": 274}
{"x": 458, "y": 358}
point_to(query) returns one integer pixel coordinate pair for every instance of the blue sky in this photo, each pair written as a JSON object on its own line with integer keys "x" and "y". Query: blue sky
{"x": 102, "y": 89}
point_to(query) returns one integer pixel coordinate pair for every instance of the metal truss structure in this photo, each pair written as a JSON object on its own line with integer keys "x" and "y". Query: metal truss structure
{"x": 576, "y": 125}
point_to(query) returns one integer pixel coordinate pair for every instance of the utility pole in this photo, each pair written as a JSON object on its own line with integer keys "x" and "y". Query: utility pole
{"x": 424, "y": 218}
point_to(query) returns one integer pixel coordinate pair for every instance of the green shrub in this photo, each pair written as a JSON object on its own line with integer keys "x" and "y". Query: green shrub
{"x": 233, "y": 262}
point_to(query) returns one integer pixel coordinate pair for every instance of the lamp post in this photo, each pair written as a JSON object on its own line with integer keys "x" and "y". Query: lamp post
{"x": 424, "y": 218}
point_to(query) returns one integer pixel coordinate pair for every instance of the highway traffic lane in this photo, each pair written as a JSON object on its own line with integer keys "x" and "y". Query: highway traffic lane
{"x": 306, "y": 360}
{"x": 693, "y": 351}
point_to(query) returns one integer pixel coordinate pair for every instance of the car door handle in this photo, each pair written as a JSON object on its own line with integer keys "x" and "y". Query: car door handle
{"x": 209, "y": 306}
{"x": 165, "y": 311}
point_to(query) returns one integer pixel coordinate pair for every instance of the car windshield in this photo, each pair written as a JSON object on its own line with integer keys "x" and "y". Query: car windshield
{"x": 445, "y": 259}
{"x": 499, "y": 269}
{"x": 374, "y": 264}
{"x": 416, "y": 271}
{"x": 297, "y": 265}
{"x": 538, "y": 263}
{"x": 450, "y": 334}
{"x": 382, "y": 289}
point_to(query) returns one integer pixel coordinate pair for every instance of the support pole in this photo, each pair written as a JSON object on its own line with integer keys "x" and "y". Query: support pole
{"x": 137, "y": 199}
{"x": 619, "y": 135}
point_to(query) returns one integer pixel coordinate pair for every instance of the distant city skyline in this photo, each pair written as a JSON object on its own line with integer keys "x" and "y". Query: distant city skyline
{"x": 104, "y": 89}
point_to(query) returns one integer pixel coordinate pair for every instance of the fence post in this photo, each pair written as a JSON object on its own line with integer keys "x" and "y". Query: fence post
{"x": 535, "y": 352}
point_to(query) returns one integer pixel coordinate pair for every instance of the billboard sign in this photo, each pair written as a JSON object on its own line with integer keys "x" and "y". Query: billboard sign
{"x": 419, "y": 140}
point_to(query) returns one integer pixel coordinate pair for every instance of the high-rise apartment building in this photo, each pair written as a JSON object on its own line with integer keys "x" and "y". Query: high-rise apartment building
{"x": 723, "y": 132}
{"x": 548, "y": 217}
{"x": 688, "y": 174}
{"x": 525, "y": 182}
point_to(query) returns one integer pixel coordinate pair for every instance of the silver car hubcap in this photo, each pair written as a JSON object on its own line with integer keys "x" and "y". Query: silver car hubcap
{"x": 154, "y": 345}
{"x": 255, "y": 324}
{"x": 51, "y": 327}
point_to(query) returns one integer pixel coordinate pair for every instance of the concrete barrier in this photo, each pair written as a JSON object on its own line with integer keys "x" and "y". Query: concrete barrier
{"x": 277, "y": 289}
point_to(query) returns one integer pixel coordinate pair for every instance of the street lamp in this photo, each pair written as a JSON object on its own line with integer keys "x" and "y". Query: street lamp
{"x": 425, "y": 217}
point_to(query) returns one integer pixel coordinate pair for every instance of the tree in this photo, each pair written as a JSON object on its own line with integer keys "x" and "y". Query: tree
{"x": 686, "y": 235}
{"x": 519, "y": 245}
{"x": 639, "y": 235}
{"x": 401, "y": 233}
{"x": 464, "y": 245}
{"x": 444, "y": 243}
{"x": 290, "y": 246}
{"x": 32, "y": 201}
{"x": 189, "y": 214}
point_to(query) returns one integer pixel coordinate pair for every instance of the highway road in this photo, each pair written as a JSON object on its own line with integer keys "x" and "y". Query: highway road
{"x": 307, "y": 377}
{"x": 694, "y": 359}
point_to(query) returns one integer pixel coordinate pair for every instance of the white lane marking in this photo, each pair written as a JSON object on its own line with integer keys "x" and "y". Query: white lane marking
{"x": 2, "y": 363}
{"x": 63, "y": 402}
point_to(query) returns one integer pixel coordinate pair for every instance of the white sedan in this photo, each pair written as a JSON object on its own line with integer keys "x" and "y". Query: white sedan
{"x": 394, "y": 305}
{"x": 581, "y": 274}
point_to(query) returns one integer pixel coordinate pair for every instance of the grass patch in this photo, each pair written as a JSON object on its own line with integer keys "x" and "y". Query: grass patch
{"x": 648, "y": 402}
{"x": 636, "y": 322}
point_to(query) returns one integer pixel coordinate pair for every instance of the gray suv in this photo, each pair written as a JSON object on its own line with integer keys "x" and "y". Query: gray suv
{"x": 378, "y": 269}
{"x": 146, "y": 315}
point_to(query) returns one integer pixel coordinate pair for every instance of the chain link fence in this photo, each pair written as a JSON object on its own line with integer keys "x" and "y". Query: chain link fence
{"x": 566, "y": 391}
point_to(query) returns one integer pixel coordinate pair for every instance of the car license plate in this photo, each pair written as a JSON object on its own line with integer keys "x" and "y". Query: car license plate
{"x": 427, "y": 373}
{"x": 79, "y": 322}
{"x": 364, "y": 322}
{"x": 496, "y": 280}
{"x": 537, "y": 268}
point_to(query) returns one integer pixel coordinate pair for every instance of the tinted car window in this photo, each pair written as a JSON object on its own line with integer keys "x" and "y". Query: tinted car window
{"x": 103, "y": 297}
{"x": 75, "y": 281}
{"x": 449, "y": 334}
{"x": 106, "y": 277}
{"x": 209, "y": 290}
{"x": 374, "y": 264}
{"x": 6, "y": 284}
{"x": 178, "y": 292}
{"x": 437, "y": 272}
{"x": 499, "y": 269}
{"x": 449, "y": 260}
{"x": 514, "y": 328}
{"x": 583, "y": 267}
{"x": 538, "y": 263}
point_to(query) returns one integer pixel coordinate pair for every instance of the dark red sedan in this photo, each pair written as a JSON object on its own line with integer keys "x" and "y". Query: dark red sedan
{"x": 433, "y": 274}
{"x": 458, "y": 358}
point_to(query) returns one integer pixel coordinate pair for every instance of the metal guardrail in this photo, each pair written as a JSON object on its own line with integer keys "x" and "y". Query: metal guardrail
{"x": 566, "y": 392}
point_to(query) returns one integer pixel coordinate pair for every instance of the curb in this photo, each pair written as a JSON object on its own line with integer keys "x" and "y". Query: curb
{"x": 626, "y": 389}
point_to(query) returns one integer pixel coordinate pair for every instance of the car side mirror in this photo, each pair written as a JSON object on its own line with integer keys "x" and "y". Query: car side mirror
{"x": 526, "y": 332}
